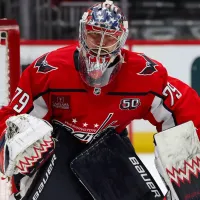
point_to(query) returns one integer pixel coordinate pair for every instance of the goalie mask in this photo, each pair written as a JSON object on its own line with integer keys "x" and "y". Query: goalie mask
{"x": 102, "y": 33}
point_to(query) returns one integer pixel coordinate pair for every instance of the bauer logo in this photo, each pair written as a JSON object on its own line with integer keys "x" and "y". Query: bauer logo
{"x": 61, "y": 102}
{"x": 45, "y": 178}
{"x": 150, "y": 183}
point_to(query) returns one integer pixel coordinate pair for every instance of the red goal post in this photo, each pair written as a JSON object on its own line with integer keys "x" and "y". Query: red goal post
{"x": 9, "y": 75}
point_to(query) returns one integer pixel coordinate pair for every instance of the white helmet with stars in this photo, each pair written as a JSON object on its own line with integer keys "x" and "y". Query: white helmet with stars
{"x": 103, "y": 32}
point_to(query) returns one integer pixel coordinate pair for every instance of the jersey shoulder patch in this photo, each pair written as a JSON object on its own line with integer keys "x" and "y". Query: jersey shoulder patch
{"x": 150, "y": 66}
{"x": 43, "y": 66}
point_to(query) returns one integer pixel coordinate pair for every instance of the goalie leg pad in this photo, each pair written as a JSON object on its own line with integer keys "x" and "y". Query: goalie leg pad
{"x": 110, "y": 169}
{"x": 178, "y": 160}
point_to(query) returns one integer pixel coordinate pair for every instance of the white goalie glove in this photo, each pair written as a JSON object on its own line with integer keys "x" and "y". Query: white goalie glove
{"x": 28, "y": 142}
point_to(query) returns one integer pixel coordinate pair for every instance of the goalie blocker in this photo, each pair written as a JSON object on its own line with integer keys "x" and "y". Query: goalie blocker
{"x": 106, "y": 169}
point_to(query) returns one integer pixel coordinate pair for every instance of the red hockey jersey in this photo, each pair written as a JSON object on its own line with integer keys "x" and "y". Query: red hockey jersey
{"x": 51, "y": 88}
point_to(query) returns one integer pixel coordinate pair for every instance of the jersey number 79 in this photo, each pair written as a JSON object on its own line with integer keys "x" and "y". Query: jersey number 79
{"x": 23, "y": 100}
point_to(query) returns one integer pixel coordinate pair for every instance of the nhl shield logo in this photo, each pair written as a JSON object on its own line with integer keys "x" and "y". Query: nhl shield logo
{"x": 97, "y": 91}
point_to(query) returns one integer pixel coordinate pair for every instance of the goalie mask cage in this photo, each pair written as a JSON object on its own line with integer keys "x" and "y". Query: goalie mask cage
{"x": 9, "y": 75}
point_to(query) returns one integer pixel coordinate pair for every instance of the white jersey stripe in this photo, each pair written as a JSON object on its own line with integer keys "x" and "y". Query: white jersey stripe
{"x": 160, "y": 113}
{"x": 40, "y": 108}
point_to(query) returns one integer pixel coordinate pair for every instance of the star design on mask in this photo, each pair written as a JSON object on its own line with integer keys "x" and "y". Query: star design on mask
{"x": 107, "y": 22}
{"x": 109, "y": 13}
{"x": 100, "y": 17}
{"x": 99, "y": 13}
{"x": 112, "y": 19}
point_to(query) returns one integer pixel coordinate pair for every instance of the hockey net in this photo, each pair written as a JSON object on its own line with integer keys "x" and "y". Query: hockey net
{"x": 9, "y": 75}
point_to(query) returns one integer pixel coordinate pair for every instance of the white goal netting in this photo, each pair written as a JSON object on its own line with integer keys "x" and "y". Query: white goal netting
{"x": 4, "y": 70}
{"x": 4, "y": 98}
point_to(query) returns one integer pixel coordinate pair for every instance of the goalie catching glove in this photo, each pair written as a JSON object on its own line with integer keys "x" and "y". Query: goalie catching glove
{"x": 26, "y": 145}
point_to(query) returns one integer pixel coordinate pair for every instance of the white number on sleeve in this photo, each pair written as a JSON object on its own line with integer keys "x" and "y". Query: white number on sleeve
{"x": 171, "y": 90}
{"x": 22, "y": 101}
{"x": 18, "y": 92}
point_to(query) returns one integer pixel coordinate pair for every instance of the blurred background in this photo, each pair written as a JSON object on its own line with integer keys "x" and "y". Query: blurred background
{"x": 148, "y": 19}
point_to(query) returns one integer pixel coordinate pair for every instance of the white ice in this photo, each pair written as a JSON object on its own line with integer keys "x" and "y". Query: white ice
{"x": 148, "y": 160}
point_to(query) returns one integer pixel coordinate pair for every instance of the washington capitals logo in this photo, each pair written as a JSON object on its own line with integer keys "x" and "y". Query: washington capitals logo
{"x": 43, "y": 66}
{"x": 149, "y": 68}
{"x": 86, "y": 134}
